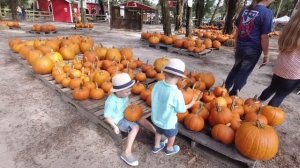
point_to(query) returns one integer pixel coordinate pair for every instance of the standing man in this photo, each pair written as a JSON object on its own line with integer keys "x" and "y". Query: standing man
{"x": 253, "y": 26}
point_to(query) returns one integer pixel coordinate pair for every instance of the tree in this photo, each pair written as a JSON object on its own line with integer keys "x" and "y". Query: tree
{"x": 199, "y": 12}
{"x": 188, "y": 21}
{"x": 165, "y": 11}
{"x": 101, "y": 7}
{"x": 13, "y": 6}
{"x": 231, "y": 6}
{"x": 82, "y": 12}
{"x": 213, "y": 15}
{"x": 178, "y": 14}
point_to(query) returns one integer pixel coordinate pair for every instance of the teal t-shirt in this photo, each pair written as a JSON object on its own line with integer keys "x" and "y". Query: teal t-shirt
{"x": 114, "y": 107}
{"x": 167, "y": 101}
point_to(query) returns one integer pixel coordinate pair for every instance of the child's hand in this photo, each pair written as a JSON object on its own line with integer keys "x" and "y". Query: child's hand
{"x": 116, "y": 130}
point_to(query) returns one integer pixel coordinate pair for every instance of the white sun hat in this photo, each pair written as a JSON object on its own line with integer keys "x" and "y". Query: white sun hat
{"x": 121, "y": 82}
{"x": 176, "y": 67}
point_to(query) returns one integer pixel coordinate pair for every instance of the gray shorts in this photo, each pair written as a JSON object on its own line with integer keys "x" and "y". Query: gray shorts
{"x": 125, "y": 125}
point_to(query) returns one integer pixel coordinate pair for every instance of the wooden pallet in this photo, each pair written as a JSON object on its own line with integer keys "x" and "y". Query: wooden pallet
{"x": 90, "y": 109}
{"x": 162, "y": 46}
{"x": 76, "y": 28}
{"x": 187, "y": 53}
{"x": 35, "y": 32}
{"x": 204, "y": 138}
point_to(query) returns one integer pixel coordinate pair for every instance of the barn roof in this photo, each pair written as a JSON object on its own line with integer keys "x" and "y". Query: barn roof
{"x": 138, "y": 5}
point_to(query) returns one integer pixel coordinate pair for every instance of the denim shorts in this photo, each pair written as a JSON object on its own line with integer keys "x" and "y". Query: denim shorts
{"x": 167, "y": 132}
{"x": 125, "y": 125}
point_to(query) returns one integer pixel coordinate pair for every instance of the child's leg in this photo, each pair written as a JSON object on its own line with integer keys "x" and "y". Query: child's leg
{"x": 130, "y": 139}
{"x": 145, "y": 123}
{"x": 170, "y": 144}
{"x": 157, "y": 140}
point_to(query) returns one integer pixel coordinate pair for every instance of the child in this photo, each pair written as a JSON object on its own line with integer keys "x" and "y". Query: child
{"x": 167, "y": 100}
{"x": 115, "y": 106}
{"x": 286, "y": 72}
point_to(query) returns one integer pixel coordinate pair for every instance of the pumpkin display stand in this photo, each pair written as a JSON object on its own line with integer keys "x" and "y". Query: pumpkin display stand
{"x": 204, "y": 138}
{"x": 90, "y": 109}
{"x": 170, "y": 48}
{"x": 39, "y": 32}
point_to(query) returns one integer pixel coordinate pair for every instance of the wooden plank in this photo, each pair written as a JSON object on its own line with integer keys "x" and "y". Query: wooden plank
{"x": 36, "y": 32}
{"x": 205, "y": 140}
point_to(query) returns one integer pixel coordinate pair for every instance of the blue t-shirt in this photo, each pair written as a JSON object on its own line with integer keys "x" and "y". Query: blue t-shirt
{"x": 252, "y": 24}
{"x": 114, "y": 107}
{"x": 167, "y": 101}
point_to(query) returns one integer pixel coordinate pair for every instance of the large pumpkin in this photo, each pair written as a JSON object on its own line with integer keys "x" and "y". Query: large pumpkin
{"x": 257, "y": 141}
{"x": 194, "y": 122}
{"x": 133, "y": 112}
{"x": 127, "y": 53}
{"x": 101, "y": 77}
{"x": 274, "y": 115}
{"x": 43, "y": 65}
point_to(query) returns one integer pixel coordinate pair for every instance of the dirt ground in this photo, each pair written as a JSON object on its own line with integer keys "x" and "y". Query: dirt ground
{"x": 38, "y": 129}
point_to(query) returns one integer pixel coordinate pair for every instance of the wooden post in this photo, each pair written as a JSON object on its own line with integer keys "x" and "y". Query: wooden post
{"x": 188, "y": 21}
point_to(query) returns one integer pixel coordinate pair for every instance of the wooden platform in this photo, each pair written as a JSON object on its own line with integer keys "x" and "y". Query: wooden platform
{"x": 76, "y": 28}
{"x": 35, "y": 32}
{"x": 94, "y": 109}
{"x": 91, "y": 109}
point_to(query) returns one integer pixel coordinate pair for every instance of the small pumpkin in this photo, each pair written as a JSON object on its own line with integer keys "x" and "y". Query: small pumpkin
{"x": 223, "y": 133}
{"x": 133, "y": 112}
{"x": 81, "y": 93}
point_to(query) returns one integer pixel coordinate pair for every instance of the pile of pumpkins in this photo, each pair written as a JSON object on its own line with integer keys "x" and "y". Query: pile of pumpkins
{"x": 60, "y": 57}
{"x": 84, "y": 25}
{"x": 246, "y": 123}
{"x": 46, "y": 28}
{"x": 233, "y": 120}
{"x": 191, "y": 44}
{"x": 10, "y": 24}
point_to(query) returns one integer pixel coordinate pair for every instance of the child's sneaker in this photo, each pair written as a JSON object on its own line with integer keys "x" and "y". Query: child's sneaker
{"x": 175, "y": 150}
{"x": 130, "y": 160}
{"x": 156, "y": 150}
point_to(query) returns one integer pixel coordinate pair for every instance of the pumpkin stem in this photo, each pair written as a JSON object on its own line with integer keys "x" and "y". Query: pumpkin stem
{"x": 233, "y": 103}
{"x": 258, "y": 124}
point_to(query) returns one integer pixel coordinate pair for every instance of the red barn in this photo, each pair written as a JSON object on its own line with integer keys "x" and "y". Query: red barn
{"x": 62, "y": 9}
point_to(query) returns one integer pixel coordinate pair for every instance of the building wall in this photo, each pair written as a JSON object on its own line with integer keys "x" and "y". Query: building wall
{"x": 61, "y": 11}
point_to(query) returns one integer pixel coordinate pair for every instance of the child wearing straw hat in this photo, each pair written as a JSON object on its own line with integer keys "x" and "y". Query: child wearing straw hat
{"x": 115, "y": 106}
{"x": 167, "y": 101}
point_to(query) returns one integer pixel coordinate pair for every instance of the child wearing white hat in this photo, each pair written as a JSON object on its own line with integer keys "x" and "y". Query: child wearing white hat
{"x": 114, "y": 108}
{"x": 167, "y": 101}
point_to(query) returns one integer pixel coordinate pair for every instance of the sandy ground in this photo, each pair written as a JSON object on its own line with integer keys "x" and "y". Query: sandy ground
{"x": 38, "y": 129}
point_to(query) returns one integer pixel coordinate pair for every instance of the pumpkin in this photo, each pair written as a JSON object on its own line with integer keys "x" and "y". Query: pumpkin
{"x": 253, "y": 116}
{"x": 42, "y": 65}
{"x": 101, "y": 77}
{"x": 223, "y": 133}
{"x": 133, "y": 112}
{"x": 113, "y": 54}
{"x": 81, "y": 93}
{"x": 159, "y": 76}
{"x": 201, "y": 110}
{"x": 75, "y": 83}
{"x": 151, "y": 73}
{"x": 140, "y": 77}
{"x": 181, "y": 116}
{"x": 127, "y": 53}
{"x": 67, "y": 53}
{"x": 86, "y": 45}
{"x": 220, "y": 115}
{"x": 25, "y": 51}
{"x": 208, "y": 97}
{"x": 216, "y": 44}
{"x": 256, "y": 141}
{"x": 55, "y": 56}
{"x": 106, "y": 86}
{"x": 145, "y": 93}
{"x": 160, "y": 63}
{"x": 220, "y": 90}
{"x": 66, "y": 82}
{"x": 137, "y": 88}
{"x": 207, "y": 78}
{"x": 90, "y": 56}
{"x": 194, "y": 122}
{"x": 96, "y": 93}
{"x": 138, "y": 62}
{"x": 178, "y": 43}
{"x": 274, "y": 115}
{"x": 153, "y": 40}
{"x": 101, "y": 52}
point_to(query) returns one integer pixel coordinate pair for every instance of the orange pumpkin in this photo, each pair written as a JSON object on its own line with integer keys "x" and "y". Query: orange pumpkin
{"x": 194, "y": 122}
{"x": 133, "y": 112}
{"x": 81, "y": 93}
{"x": 260, "y": 138}
{"x": 274, "y": 115}
{"x": 223, "y": 133}
{"x": 42, "y": 65}
{"x": 137, "y": 88}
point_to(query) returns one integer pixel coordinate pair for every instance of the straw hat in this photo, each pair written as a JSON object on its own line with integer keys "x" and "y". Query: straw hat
{"x": 175, "y": 67}
{"x": 121, "y": 82}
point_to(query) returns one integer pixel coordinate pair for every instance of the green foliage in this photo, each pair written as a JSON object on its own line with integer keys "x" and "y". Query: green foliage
{"x": 286, "y": 7}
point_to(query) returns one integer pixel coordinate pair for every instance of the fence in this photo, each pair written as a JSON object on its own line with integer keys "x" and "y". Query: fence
{"x": 31, "y": 15}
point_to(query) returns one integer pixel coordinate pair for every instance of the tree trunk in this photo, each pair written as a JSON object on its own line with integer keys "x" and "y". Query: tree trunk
{"x": 13, "y": 7}
{"x": 215, "y": 11}
{"x": 279, "y": 8}
{"x": 179, "y": 14}
{"x": 199, "y": 12}
{"x": 231, "y": 11}
{"x": 297, "y": 6}
{"x": 83, "y": 12}
{"x": 0, "y": 12}
{"x": 165, "y": 11}
{"x": 188, "y": 21}
{"x": 101, "y": 7}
